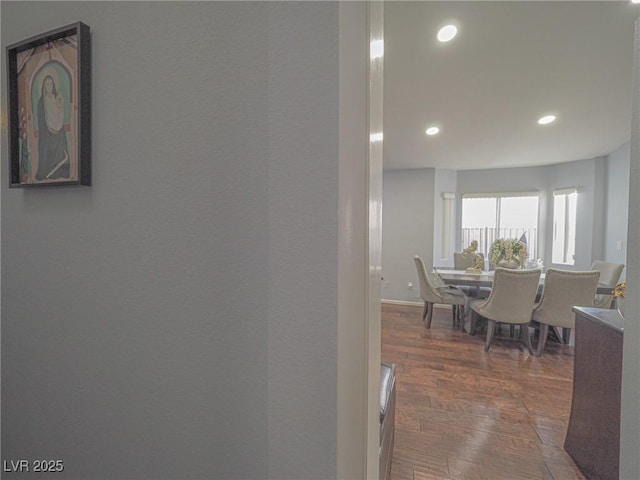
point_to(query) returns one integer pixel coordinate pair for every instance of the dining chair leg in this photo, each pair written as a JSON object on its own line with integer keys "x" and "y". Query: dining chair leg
{"x": 429, "y": 315}
{"x": 426, "y": 310}
{"x": 558, "y": 332}
{"x": 491, "y": 326}
{"x": 542, "y": 340}
{"x": 454, "y": 313}
{"x": 524, "y": 331}
{"x": 474, "y": 320}
{"x": 461, "y": 313}
{"x": 566, "y": 335}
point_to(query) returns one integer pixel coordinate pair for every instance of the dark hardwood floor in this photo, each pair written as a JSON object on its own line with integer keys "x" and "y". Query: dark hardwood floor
{"x": 462, "y": 413}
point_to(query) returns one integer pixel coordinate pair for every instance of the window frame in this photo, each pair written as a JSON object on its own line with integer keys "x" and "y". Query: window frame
{"x": 499, "y": 196}
{"x": 569, "y": 228}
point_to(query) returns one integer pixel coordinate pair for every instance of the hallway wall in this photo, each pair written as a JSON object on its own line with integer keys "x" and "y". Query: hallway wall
{"x": 145, "y": 318}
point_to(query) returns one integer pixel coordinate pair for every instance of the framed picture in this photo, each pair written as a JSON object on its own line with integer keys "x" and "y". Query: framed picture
{"x": 49, "y": 90}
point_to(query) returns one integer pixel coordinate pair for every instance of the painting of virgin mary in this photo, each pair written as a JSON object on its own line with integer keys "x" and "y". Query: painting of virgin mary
{"x": 53, "y": 150}
{"x": 49, "y": 90}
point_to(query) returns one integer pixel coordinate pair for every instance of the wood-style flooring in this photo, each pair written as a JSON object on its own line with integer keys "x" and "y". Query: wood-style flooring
{"x": 464, "y": 414}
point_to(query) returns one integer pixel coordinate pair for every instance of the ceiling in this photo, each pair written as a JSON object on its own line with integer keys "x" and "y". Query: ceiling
{"x": 510, "y": 64}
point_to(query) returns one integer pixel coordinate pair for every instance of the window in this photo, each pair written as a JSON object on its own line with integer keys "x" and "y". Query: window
{"x": 487, "y": 217}
{"x": 565, "y": 204}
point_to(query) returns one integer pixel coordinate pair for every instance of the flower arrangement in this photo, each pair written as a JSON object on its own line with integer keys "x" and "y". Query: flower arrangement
{"x": 509, "y": 250}
{"x": 619, "y": 290}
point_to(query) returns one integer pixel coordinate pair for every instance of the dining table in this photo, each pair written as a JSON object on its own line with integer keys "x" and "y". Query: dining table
{"x": 479, "y": 279}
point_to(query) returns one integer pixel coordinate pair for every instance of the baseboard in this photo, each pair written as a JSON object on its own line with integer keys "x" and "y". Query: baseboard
{"x": 402, "y": 302}
{"x": 411, "y": 304}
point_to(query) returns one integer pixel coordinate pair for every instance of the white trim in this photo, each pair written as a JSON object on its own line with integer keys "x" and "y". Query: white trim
{"x": 354, "y": 326}
{"x": 402, "y": 302}
{"x": 565, "y": 191}
{"x": 629, "y": 418}
{"x": 501, "y": 194}
{"x": 448, "y": 195}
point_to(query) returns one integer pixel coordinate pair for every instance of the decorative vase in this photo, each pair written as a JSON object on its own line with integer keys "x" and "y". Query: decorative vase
{"x": 620, "y": 304}
{"x": 513, "y": 264}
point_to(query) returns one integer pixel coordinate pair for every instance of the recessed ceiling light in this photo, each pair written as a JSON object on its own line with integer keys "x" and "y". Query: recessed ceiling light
{"x": 635, "y": 1}
{"x": 547, "y": 119}
{"x": 447, "y": 33}
{"x": 432, "y": 130}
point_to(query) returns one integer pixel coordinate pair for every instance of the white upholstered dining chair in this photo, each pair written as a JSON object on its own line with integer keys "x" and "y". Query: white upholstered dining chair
{"x": 431, "y": 294}
{"x": 462, "y": 261}
{"x": 511, "y": 301}
{"x": 609, "y": 277}
{"x": 563, "y": 290}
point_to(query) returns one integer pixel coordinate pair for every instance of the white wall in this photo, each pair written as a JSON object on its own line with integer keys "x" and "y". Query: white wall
{"x": 407, "y": 230}
{"x": 178, "y": 318}
{"x": 617, "y": 206}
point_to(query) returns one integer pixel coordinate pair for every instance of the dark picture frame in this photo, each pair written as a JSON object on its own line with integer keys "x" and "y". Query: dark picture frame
{"x": 49, "y": 108}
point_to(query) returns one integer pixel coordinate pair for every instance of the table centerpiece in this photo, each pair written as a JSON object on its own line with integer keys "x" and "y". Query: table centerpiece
{"x": 508, "y": 253}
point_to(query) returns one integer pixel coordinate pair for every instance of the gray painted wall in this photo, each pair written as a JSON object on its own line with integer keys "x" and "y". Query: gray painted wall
{"x": 178, "y": 318}
{"x": 407, "y": 230}
{"x": 303, "y": 239}
{"x": 617, "y": 205}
